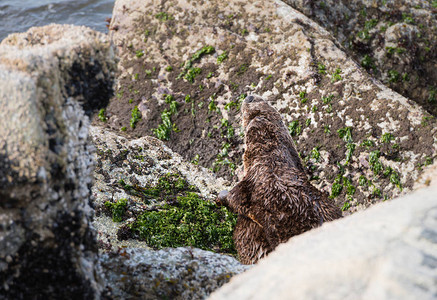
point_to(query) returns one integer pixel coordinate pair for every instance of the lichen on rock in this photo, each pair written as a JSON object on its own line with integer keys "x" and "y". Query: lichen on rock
{"x": 175, "y": 273}
{"x": 393, "y": 40}
{"x": 276, "y": 52}
{"x": 158, "y": 206}
{"x": 158, "y": 199}
{"x": 148, "y": 198}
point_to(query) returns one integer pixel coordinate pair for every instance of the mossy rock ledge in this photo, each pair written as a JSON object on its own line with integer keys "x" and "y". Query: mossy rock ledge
{"x": 186, "y": 67}
{"x": 158, "y": 230}
{"x": 393, "y": 40}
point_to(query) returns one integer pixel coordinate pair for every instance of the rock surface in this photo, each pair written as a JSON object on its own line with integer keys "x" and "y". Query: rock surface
{"x": 388, "y": 251}
{"x": 393, "y": 40}
{"x": 51, "y": 78}
{"x": 172, "y": 273}
{"x": 132, "y": 269}
{"x": 186, "y": 66}
{"x": 139, "y": 162}
{"x": 429, "y": 176}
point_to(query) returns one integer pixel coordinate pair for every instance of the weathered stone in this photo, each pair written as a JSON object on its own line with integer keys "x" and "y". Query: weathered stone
{"x": 51, "y": 78}
{"x": 428, "y": 177}
{"x": 364, "y": 144}
{"x": 393, "y": 40}
{"x": 132, "y": 269}
{"x": 138, "y": 162}
{"x": 172, "y": 273}
{"x": 388, "y": 251}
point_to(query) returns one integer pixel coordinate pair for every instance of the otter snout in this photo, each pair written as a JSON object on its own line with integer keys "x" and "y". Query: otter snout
{"x": 252, "y": 99}
{"x": 249, "y": 99}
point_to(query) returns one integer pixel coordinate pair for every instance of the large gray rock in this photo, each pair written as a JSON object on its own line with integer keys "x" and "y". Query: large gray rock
{"x": 51, "y": 79}
{"x": 359, "y": 140}
{"x": 395, "y": 40}
{"x": 388, "y": 251}
{"x": 171, "y": 273}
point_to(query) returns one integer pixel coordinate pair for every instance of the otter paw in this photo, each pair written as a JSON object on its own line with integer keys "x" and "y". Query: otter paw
{"x": 222, "y": 198}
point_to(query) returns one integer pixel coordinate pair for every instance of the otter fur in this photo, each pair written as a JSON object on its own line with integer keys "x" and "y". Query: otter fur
{"x": 274, "y": 200}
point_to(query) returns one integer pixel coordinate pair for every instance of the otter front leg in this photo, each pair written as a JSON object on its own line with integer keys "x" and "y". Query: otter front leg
{"x": 222, "y": 199}
{"x": 237, "y": 200}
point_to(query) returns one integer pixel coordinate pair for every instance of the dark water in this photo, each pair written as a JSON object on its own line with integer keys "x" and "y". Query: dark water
{"x": 20, "y": 15}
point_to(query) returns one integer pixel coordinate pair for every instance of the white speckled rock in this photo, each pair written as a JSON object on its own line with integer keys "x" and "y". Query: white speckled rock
{"x": 51, "y": 78}
{"x": 428, "y": 177}
{"x": 172, "y": 273}
{"x": 393, "y": 39}
{"x": 276, "y": 52}
{"x": 138, "y": 162}
{"x": 132, "y": 269}
{"x": 386, "y": 252}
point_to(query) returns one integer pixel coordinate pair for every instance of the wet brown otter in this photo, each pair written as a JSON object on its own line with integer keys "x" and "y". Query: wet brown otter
{"x": 274, "y": 201}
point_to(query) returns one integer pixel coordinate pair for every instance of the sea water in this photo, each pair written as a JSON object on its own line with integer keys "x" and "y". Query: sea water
{"x": 20, "y": 15}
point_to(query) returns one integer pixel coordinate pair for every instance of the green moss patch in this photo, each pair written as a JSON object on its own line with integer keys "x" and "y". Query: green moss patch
{"x": 135, "y": 117}
{"x": 166, "y": 189}
{"x": 189, "y": 72}
{"x": 183, "y": 217}
{"x": 166, "y": 127}
{"x": 102, "y": 115}
{"x": 189, "y": 221}
{"x": 117, "y": 209}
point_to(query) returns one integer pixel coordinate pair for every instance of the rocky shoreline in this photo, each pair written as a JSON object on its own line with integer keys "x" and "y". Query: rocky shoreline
{"x": 102, "y": 134}
{"x": 361, "y": 142}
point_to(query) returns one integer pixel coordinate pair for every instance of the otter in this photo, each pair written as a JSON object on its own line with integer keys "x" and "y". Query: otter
{"x": 274, "y": 200}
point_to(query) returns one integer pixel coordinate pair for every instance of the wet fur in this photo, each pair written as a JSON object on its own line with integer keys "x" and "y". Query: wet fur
{"x": 274, "y": 201}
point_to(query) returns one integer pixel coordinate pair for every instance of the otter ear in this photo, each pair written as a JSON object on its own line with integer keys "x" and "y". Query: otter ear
{"x": 249, "y": 99}
{"x": 253, "y": 98}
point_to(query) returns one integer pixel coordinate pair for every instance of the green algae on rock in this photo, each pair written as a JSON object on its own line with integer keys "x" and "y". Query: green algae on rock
{"x": 188, "y": 221}
{"x": 117, "y": 209}
{"x": 149, "y": 179}
{"x": 183, "y": 219}
{"x": 395, "y": 41}
{"x": 168, "y": 203}
{"x": 295, "y": 55}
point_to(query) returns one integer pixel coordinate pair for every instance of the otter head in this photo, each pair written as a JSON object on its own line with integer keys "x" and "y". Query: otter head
{"x": 265, "y": 133}
{"x": 255, "y": 106}
{"x": 261, "y": 131}
{"x": 262, "y": 141}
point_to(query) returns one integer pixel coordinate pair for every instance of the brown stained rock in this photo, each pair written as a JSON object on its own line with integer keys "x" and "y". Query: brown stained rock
{"x": 395, "y": 41}
{"x": 278, "y": 53}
